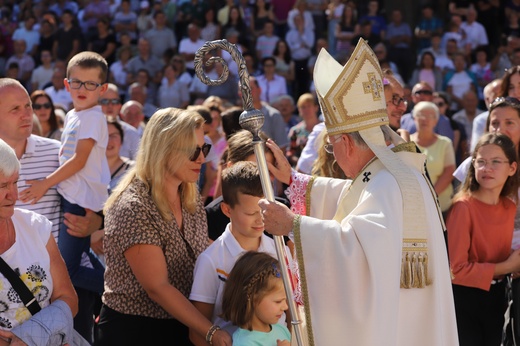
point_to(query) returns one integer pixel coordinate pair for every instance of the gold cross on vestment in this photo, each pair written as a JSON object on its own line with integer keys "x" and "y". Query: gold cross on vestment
{"x": 373, "y": 86}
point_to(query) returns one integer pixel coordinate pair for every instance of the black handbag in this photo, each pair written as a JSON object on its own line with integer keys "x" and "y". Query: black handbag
{"x": 28, "y": 299}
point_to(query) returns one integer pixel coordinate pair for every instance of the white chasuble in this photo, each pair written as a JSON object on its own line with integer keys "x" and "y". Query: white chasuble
{"x": 350, "y": 268}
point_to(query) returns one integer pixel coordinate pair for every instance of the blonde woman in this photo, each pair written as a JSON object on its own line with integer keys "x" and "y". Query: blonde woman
{"x": 155, "y": 227}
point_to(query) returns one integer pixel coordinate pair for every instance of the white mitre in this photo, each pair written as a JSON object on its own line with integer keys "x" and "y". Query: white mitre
{"x": 352, "y": 100}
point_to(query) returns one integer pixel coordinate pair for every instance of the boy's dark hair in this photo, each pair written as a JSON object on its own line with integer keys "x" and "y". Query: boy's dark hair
{"x": 89, "y": 60}
{"x": 268, "y": 58}
{"x": 157, "y": 13}
{"x": 230, "y": 121}
{"x": 242, "y": 177}
{"x": 13, "y": 65}
{"x": 203, "y": 111}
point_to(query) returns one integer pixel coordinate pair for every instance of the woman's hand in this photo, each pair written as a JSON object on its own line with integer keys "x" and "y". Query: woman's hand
{"x": 281, "y": 168}
{"x": 283, "y": 343}
{"x": 221, "y": 338}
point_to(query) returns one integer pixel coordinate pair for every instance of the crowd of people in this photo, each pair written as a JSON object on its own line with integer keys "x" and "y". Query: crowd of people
{"x": 153, "y": 195}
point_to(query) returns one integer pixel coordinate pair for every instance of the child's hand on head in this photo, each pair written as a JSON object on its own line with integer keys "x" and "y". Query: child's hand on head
{"x": 34, "y": 192}
{"x": 283, "y": 343}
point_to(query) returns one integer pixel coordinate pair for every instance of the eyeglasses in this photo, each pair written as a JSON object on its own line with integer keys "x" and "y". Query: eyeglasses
{"x": 329, "y": 147}
{"x": 396, "y": 100}
{"x": 481, "y": 163}
{"x": 76, "y": 84}
{"x": 37, "y": 106}
{"x": 423, "y": 92}
{"x": 440, "y": 104}
{"x": 105, "y": 102}
{"x": 205, "y": 150}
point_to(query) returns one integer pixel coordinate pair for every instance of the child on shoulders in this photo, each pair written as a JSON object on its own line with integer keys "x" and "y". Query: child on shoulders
{"x": 83, "y": 175}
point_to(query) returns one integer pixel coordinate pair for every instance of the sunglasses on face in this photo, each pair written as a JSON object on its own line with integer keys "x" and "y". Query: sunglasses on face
{"x": 440, "y": 104}
{"x": 106, "y": 102}
{"x": 37, "y": 106}
{"x": 205, "y": 150}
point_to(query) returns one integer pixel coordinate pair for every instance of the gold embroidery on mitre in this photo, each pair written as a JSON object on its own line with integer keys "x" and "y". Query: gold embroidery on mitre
{"x": 355, "y": 101}
{"x": 373, "y": 86}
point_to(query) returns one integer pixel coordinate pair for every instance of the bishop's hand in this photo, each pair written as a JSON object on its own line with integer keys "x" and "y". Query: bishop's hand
{"x": 278, "y": 219}
{"x": 281, "y": 169}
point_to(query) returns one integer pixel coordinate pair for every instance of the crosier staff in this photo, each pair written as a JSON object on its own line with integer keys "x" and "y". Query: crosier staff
{"x": 252, "y": 120}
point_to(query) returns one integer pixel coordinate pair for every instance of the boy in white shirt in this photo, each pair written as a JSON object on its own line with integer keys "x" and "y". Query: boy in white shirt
{"x": 83, "y": 175}
{"x": 241, "y": 191}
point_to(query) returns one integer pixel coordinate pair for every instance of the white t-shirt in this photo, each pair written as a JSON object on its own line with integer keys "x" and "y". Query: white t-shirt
{"x": 30, "y": 258}
{"x": 59, "y": 97}
{"x": 460, "y": 83}
{"x": 88, "y": 187}
{"x": 31, "y": 38}
{"x": 310, "y": 151}
{"x": 42, "y": 75}
{"x": 212, "y": 269}
{"x": 188, "y": 46}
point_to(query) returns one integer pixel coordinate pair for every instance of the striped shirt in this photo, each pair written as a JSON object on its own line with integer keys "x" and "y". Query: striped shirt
{"x": 39, "y": 161}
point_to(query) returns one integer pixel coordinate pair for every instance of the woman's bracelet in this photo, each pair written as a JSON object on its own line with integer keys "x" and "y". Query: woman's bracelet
{"x": 210, "y": 333}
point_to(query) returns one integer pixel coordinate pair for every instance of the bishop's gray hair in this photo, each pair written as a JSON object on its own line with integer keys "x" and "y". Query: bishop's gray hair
{"x": 360, "y": 142}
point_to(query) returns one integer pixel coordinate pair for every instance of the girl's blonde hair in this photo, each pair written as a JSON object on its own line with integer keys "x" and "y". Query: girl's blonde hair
{"x": 510, "y": 188}
{"x": 254, "y": 275}
{"x": 167, "y": 144}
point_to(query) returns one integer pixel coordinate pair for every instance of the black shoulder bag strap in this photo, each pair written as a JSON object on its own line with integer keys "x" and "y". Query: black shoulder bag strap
{"x": 23, "y": 291}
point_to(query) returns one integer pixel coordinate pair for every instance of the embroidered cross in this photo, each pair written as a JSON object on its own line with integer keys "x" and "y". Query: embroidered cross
{"x": 366, "y": 178}
{"x": 373, "y": 86}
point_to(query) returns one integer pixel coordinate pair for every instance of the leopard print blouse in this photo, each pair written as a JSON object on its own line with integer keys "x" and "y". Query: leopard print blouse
{"x": 134, "y": 219}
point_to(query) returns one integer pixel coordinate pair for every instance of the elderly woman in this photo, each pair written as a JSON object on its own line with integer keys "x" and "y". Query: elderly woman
{"x": 27, "y": 247}
{"x": 155, "y": 227}
{"x": 440, "y": 156}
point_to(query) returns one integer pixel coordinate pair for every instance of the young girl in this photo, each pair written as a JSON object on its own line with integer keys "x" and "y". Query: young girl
{"x": 480, "y": 230}
{"x": 254, "y": 299}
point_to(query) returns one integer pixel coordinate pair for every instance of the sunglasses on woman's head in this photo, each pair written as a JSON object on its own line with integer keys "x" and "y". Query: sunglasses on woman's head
{"x": 512, "y": 101}
{"x": 38, "y": 106}
{"x": 205, "y": 150}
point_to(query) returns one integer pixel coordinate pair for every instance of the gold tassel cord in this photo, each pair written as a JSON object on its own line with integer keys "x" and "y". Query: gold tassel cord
{"x": 414, "y": 270}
